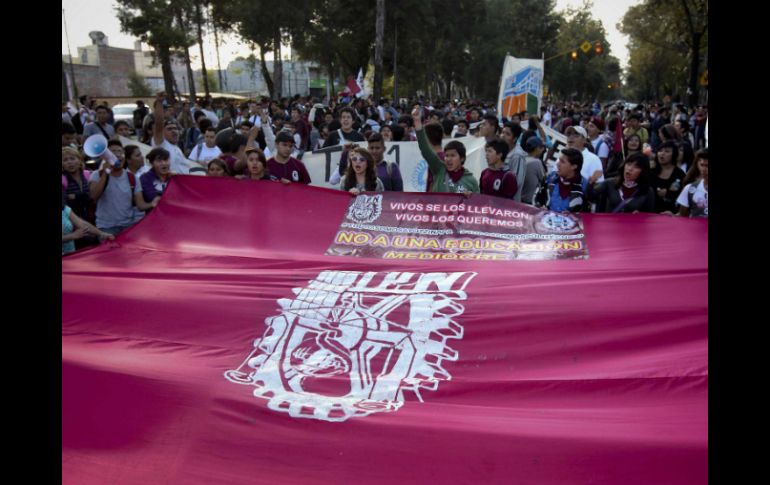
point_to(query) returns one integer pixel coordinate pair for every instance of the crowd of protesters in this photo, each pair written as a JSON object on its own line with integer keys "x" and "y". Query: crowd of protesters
{"x": 618, "y": 158}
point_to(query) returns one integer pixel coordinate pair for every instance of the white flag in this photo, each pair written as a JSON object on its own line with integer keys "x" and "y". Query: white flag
{"x": 360, "y": 82}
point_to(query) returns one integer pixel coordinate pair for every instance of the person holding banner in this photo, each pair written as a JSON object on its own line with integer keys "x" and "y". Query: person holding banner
{"x": 282, "y": 166}
{"x": 360, "y": 175}
{"x": 565, "y": 189}
{"x": 153, "y": 183}
{"x": 495, "y": 179}
{"x": 630, "y": 191}
{"x": 449, "y": 176}
{"x": 256, "y": 165}
{"x": 387, "y": 171}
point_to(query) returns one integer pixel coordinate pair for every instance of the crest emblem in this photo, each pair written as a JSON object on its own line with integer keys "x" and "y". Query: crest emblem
{"x": 365, "y": 208}
{"x": 558, "y": 222}
{"x": 353, "y": 343}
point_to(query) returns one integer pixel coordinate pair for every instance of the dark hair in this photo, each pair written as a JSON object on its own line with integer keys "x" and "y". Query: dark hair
{"x": 101, "y": 106}
{"x": 114, "y": 142}
{"x": 685, "y": 125}
{"x": 235, "y": 142}
{"x": 284, "y": 137}
{"x": 198, "y": 114}
{"x": 447, "y": 125}
{"x": 688, "y": 156}
{"x": 375, "y": 137}
{"x": 158, "y": 154}
{"x": 525, "y": 138}
{"x": 463, "y": 122}
{"x": 574, "y": 157}
{"x": 221, "y": 163}
{"x": 205, "y": 124}
{"x": 129, "y": 150}
{"x": 493, "y": 121}
{"x": 434, "y": 132}
{"x": 670, "y": 132}
{"x": 334, "y": 125}
{"x": 457, "y": 146}
{"x": 398, "y": 132}
{"x": 260, "y": 157}
{"x": 629, "y": 139}
{"x": 121, "y": 122}
{"x": 499, "y": 146}
{"x": 405, "y": 119}
{"x": 67, "y": 129}
{"x": 643, "y": 162}
{"x": 371, "y": 174}
{"x": 693, "y": 172}
{"x": 348, "y": 109}
{"x": 674, "y": 154}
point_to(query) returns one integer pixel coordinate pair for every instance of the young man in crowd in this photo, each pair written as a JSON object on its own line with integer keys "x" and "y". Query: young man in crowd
{"x": 591, "y": 165}
{"x": 495, "y": 179}
{"x": 207, "y": 150}
{"x": 283, "y": 166}
{"x": 112, "y": 187}
{"x": 462, "y": 128}
{"x": 387, "y": 171}
{"x": 165, "y": 135}
{"x": 101, "y": 125}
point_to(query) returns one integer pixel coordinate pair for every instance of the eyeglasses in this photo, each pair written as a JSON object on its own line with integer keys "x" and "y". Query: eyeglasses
{"x": 357, "y": 159}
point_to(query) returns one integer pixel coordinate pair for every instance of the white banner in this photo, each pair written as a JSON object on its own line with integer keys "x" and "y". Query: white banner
{"x": 414, "y": 169}
{"x": 521, "y": 86}
{"x": 192, "y": 167}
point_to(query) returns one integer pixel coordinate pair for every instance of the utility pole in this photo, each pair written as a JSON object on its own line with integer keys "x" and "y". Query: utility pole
{"x": 72, "y": 68}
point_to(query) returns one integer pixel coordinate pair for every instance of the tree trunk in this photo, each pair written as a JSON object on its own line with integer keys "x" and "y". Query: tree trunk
{"x": 199, "y": 21}
{"x": 395, "y": 66}
{"x": 164, "y": 55}
{"x": 694, "y": 65}
{"x": 223, "y": 86}
{"x": 266, "y": 73}
{"x": 191, "y": 79}
{"x": 277, "y": 65}
{"x": 379, "y": 44}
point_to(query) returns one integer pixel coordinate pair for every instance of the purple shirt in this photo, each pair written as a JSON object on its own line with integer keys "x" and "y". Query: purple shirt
{"x": 293, "y": 170}
{"x": 499, "y": 183}
{"x": 392, "y": 181}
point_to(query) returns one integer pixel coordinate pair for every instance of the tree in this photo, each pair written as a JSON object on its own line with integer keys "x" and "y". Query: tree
{"x": 380, "y": 40}
{"x": 199, "y": 25}
{"x": 149, "y": 20}
{"x": 137, "y": 86}
{"x": 676, "y": 30}
{"x": 589, "y": 75}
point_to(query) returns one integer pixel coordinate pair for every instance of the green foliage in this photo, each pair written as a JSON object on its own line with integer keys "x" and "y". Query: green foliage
{"x": 212, "y": 78}
{"x": 137, "y": 86}
{"x": 667, "y": 38}
{"x": 587, "y": 77}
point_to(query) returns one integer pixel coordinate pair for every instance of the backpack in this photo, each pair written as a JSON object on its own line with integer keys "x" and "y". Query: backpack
{"x": 131, "y": 182}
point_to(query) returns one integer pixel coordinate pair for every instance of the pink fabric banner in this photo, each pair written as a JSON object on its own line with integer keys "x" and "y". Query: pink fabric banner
{"x": 215, "y": 342}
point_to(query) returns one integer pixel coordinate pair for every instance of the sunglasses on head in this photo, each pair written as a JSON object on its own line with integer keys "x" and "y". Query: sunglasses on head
{"x": 357, "y": 159}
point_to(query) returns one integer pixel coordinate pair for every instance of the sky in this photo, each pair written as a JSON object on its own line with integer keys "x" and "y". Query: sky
{"x": 84, "y": 16}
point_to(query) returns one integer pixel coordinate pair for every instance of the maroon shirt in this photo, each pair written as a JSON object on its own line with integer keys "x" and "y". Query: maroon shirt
{"x": 293, "y": 170}
{"x": 499, "y": 183}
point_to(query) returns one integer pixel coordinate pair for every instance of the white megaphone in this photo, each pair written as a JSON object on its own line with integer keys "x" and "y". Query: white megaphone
{"x": 96, "y": 147}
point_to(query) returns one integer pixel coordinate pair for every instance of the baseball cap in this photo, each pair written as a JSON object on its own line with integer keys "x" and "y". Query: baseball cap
{"x": 577, "y": 129}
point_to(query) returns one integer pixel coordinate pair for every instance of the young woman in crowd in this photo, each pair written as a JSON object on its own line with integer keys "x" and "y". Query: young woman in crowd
{"x": 256, "y": 165}
{"x": 217, "y": 168}
{"x": 360, "y": 174}
{"x": 667, "y": 180}
{"x": 629, "y": 191}
{"x": 694, "y": 199}
{"x": 74, "y": 181}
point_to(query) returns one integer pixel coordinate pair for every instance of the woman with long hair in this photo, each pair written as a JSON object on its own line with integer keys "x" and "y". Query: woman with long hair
{"x": 361, "y": 173}
{"x": 629, "y": 191}
{"x": 686, "y": 156}
{"x": 74, "y": 179}
{"x": 256, "y": 165}
{"x": 694, "y": 199}
{"x": 632, "y": 144}
{"x": 667, "y": 178}
{"x": 134, "y": 158}
{"x": 217, "y": 168}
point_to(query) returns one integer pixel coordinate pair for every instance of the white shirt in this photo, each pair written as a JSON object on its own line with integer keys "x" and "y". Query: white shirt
{"x": 604, "y": 151}
{"x": 202, "y": 153}
{"x": 700, "y": 198}
{"x": 547, "y": 118}
{"x": 178, "y": 161}
{"x": 591, "y": 164}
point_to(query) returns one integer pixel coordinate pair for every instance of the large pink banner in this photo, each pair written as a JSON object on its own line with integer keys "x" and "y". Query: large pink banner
{"x": 215, "y": 342}
{"x": 398, "y": 225}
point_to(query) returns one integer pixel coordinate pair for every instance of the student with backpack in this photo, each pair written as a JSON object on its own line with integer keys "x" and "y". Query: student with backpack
{"x": 112, "y": 187}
